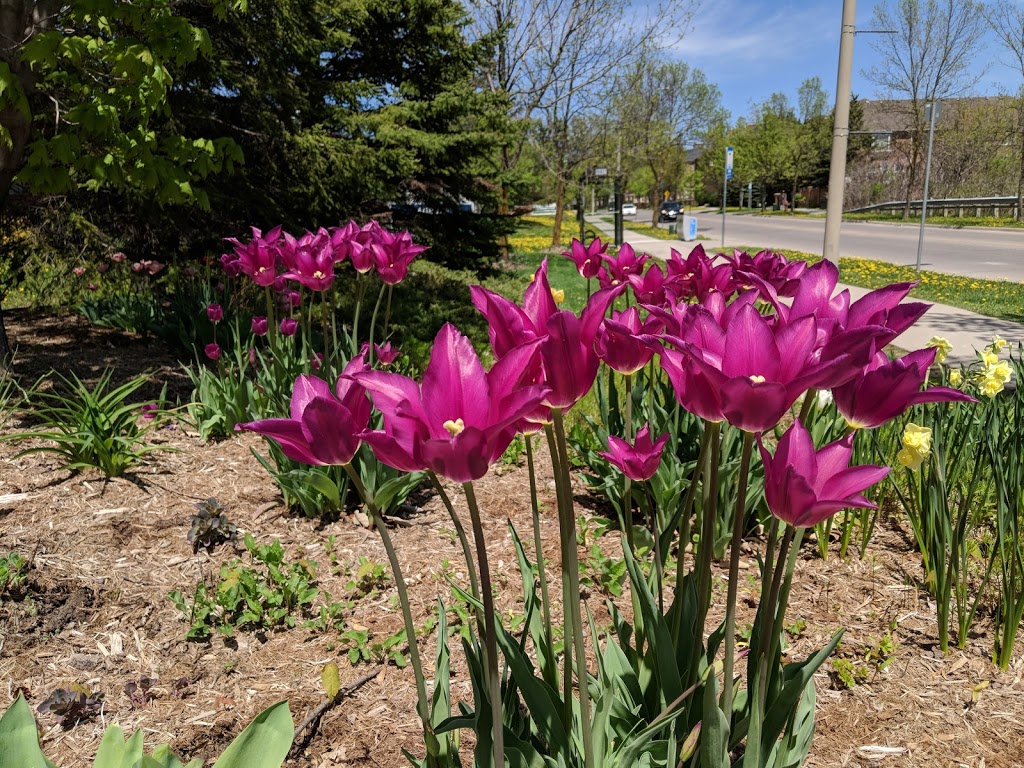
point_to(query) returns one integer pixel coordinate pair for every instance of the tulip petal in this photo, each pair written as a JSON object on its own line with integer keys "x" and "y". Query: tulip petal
{"x": 750, "y": 348}
{"x": 328, "y": 428}
{"x": 286, "y": 433}
{"x": 455, "y": 383}
{"x": 463, "y": 458}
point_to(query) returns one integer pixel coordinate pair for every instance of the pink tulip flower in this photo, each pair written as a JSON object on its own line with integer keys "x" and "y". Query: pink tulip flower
{"x": 309, "y": 260}
{"x": 384, "y": 353}
{"x": 392, "y": 255}
{"x": 325, "y": 426}
{"x": 461, "y": 418}
{"x": 639, "y": 461}
{"x": 288, "y": 326}
{"x": 587, "y": 258}
{"x": 620, "y": 343}
{"x": 889, "y": 387}
{"x": 754, "y": 369}
{"x": 804, "y": 487}
{"x": 258, "y": 258}
{"x": 649, "y": 288}
{"x": 215, "y": 312}
{"x": 259, "y": 326}
{"x": 618, "y": 267}
{"x": 213, "y": 351}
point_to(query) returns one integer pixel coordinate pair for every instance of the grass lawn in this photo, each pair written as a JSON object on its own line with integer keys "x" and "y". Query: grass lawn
{"x": 945, "y": 221}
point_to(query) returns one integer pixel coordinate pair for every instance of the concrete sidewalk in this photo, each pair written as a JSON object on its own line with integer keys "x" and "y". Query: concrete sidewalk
{"x": 966, "y": 331}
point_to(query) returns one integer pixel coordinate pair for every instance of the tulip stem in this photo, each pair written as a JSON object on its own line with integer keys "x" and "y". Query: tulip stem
{"x": 709, "y": 511}
{"x": 387, "y": 313}
{"x": 422, "y": 703}
{"x": 627, "y": 499}
{"x": 659, "y": 567}
{"x": 572, "y": 606}
{"x": 684, "y": 522}
{"x": 734, "y": 574}
{"x": 567, "y": 595}
{"x": 490, "y": 630}
{"x": 537, "y": 541}
{"x": 780, "y": 601}
{"x": 360, "y": 290}
{"x": 373, "y": 321}
{"x": 460, "y": 531}
{"x": 328, "y": 360}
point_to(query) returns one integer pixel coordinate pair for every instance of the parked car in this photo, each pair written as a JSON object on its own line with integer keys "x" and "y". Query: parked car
{"x": 670, "y": 211}
{"x": 629, "y": 209}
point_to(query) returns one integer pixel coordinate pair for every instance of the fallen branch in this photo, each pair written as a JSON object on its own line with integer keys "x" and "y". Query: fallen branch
{"x": 313, "y": 720}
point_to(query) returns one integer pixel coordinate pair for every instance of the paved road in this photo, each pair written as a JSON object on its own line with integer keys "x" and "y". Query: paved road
{"x": 971, "y": 251}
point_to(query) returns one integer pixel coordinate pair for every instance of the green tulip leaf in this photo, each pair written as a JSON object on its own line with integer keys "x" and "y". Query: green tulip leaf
{"x": 264, "y": 743}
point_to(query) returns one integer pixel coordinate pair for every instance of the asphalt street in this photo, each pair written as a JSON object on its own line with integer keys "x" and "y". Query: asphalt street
{"x": 971, "y": 251}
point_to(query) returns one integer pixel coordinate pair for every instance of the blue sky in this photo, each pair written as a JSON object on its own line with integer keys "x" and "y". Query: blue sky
{"x": 752, "y": 48}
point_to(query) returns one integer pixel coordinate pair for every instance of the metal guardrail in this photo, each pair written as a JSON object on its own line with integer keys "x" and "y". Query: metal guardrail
{"x": 944, "y": 205}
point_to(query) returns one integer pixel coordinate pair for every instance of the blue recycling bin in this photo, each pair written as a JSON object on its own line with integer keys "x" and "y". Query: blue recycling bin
{"x": 689, "y": 228}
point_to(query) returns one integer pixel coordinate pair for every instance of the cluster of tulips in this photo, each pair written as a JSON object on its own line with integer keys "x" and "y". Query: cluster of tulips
{"x": 742, "y": 339}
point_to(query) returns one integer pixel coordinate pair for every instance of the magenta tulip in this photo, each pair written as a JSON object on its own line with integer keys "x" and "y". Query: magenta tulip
{"x": 324, "y": 426}
{"x": 288, "y": 326}
{"x": 620, "y": 343}
{"x": 461, "y": 418}
{"x": 889, "y": 387}
{"x": 309, "y": 260}
{"x": 392, "y": 254}
{"x": 650, "y": 287}
{"x": 618, "y": 267}
{"x": 383, "y": 353}
{"x": 803, "y": 486}
{"x": 258, "y": 258}
{"x": 569, "y": 363}
{"x": 587, "y": 258}
{"x": 259, "y": 325}
{"x": 639, "y": 461}
{"x": 213, "y": 351}
{"x": 754, "y": 369}
{"x": 215, "y": 312}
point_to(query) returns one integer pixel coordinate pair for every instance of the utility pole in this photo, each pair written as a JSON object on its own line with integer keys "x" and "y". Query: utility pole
{"x": 726, "y": 175}
{"x": 931, "y": 112}
{"x": 840, "y": 134}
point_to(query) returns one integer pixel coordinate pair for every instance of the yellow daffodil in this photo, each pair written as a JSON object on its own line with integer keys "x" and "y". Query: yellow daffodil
{"x": 955, "y": 378}
{"x": 942, "y": 346}
{"x": 917, "y": 445}
{"x": 998, "y": 344}
{"x": 558, "y": 295}
{"x": 989, "y": 357}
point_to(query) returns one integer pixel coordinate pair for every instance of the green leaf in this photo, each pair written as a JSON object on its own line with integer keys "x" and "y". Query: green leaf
{"x": 115, "y": 752}
{"x": 162, "y": 757}
{"x": 396, "y": 487}
{"x": 19, "y": 739}
{"x": 714, "y": 740}
{"x": 264, "y": 743}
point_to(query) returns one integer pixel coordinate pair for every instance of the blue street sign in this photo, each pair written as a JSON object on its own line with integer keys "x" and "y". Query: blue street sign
{"x": 728, "y": 163}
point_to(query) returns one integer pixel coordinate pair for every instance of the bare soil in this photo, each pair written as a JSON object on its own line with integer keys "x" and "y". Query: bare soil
{"x": 106, "y": 553}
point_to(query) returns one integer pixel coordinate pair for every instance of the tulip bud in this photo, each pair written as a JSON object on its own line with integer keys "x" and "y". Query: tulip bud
{"x": 215, "y": 312}
{"x": 288, "y": 327}
{"x": 213, "y": 351}
{"x": 259, "y": 325}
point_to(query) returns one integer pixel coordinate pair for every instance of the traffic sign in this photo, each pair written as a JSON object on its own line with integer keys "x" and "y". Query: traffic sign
{"x": 728, "y": 163}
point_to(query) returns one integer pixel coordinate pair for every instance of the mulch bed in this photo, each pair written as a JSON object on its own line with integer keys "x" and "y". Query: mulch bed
{"x": 106, "y": 553}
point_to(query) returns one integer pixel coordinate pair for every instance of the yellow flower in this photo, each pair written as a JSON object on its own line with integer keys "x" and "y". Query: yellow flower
{"x": 558, "y": 295}
{"x": 956, "y": 378}
{"x": 917, "y": 444}
{"x": 910, "y": 459}
{"x": 989, "y": 358}
{"x": 942, "y": 346}
{"x": 1001, "y": 371}
{"x": 990, "y": 386}
{"x": 998, "y": 344}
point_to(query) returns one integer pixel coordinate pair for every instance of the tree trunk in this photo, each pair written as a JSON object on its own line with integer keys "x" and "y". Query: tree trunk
{"x": 556, "y": 229}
